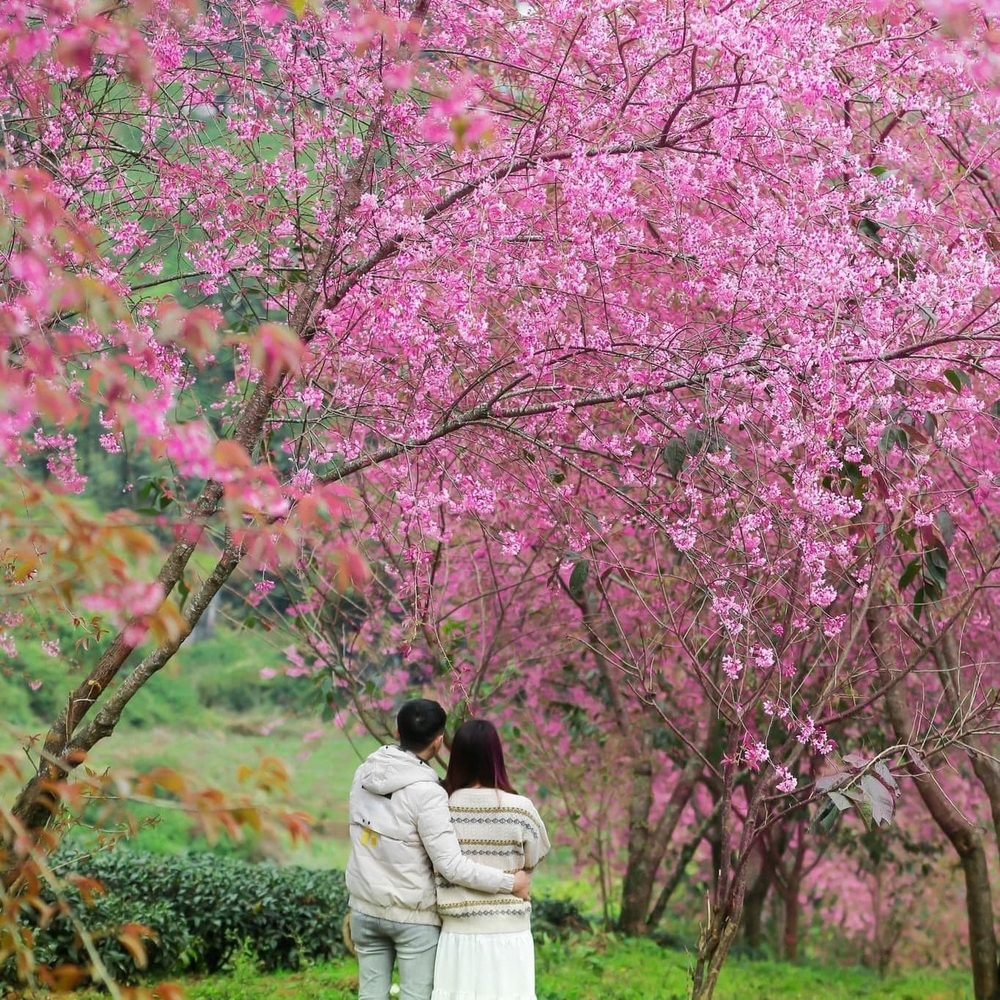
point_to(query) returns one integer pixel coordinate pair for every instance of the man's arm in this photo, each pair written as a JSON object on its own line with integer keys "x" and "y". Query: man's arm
{"x": 438, "y": 837}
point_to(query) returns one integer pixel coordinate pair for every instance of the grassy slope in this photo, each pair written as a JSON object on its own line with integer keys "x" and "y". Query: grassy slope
{"x": 184, "y": 719}
{"x": 320, "y": 777}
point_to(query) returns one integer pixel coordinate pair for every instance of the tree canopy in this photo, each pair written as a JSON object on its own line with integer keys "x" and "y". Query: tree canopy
{"x": 631, "y": 370}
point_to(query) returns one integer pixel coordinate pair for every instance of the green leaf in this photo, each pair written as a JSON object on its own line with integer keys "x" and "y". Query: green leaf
{"x": 957, "y": 378}
{"x": 919, "y": 600}
{"x": 879, "y": 798}
{"x": 938, "y": 557}
{"x": 695, "y": 440}
{"x": 826, "y": 817}
{"x": 869, "y": 228}
{"x": 842, "y": 802}
{"x": 909, "y": 573}
{"x": 578, "y": 578}
{"x": 893, "y": 436}
{"x": 886, "y": 775}
{"x": 674, "y": 455}
{"x": 935, "y": 575}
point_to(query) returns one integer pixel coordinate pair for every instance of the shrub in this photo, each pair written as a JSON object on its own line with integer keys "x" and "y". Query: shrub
{"x": 286, "y": 915}
{"x": 104, "y": 915}
{"x": 552, "y": 917}
{"x": 14, "y": 696}
{"x": 237, "y": 686}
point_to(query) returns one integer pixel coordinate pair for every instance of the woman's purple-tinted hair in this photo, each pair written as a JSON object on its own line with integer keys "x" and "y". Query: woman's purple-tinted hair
{"x": 476, "y": 758}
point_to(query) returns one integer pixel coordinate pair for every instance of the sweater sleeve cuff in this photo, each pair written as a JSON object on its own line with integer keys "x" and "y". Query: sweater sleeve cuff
{"x": 506, "y": 884}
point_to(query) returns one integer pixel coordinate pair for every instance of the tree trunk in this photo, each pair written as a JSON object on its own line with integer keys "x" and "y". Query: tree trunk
{"x": 637, "y": 887}
{"x": 962, "y": 834}
{"x": 790, "y": 938}
{"x": 714, "y": 838}
{"x": 753, "y": 911}
{"x": 879, "y": 929}
{"x": 730, "y": 881}
{"x": 640, "y": 874}
{"x": 675, "y": 876}
{"x": 713, "y": 947}
{"x": 987, "y": 770}
{"x": 790, "y": 884}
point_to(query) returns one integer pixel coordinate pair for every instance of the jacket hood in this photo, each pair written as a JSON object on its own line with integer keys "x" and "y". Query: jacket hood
{"x": 389, "y": 769}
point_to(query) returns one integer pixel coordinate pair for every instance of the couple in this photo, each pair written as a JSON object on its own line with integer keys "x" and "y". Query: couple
{"x": 468, "y": 937}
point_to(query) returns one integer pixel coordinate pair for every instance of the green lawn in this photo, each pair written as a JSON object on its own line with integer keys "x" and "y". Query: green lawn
{"x": 320, "y": 774}
{"x": 603, "y": 968}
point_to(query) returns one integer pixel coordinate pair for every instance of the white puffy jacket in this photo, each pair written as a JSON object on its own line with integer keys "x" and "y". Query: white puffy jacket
{"x": 401, "y": 833}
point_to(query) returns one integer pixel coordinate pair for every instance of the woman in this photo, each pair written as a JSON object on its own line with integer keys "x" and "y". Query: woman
{"x": 485, "y": 950}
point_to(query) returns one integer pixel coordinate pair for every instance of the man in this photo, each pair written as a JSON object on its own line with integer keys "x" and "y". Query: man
{"x": 401, "y": 833}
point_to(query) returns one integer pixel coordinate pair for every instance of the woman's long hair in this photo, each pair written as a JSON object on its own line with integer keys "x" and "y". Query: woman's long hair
{"x": 476, "y": 758}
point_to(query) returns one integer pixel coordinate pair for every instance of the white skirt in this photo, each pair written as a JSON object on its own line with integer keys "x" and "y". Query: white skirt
{"x": 484, "y": 967}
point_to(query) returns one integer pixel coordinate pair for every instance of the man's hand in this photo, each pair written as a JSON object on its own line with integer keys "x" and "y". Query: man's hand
{"x": 522, "y": 885}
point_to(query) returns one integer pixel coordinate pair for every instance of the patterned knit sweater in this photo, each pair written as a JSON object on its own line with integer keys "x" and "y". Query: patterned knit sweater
{"x": 503, "y": 831}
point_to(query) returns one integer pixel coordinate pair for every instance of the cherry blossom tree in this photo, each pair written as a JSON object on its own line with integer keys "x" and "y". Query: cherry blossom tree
{"x": 685, "y": 312}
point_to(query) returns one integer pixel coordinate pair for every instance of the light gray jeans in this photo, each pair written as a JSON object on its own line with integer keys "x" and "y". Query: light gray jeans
{"x": 380, "y": 942}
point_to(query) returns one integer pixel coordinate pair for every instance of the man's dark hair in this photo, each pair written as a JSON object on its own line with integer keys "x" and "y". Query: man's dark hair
{"x": 419, "y": 722}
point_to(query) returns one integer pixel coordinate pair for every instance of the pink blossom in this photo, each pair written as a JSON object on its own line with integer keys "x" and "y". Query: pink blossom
{"x": 787, "y": 781}
{"x": 190, "y": 447}
{"x": 732, "y": 667}
{"x": 755, "y": 754}
{"x": 126, "y": 600}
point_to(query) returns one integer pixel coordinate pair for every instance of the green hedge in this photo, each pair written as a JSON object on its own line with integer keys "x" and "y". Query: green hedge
{"x": 201, "y": 910}
{"x": 287, "y": 914}
{"x": 104, "y": 915}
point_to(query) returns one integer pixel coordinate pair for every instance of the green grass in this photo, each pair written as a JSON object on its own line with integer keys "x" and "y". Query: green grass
{"x": 320, "y": 774}
{"x": 609, "y": 968}
{"x": 602, "y": 968}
